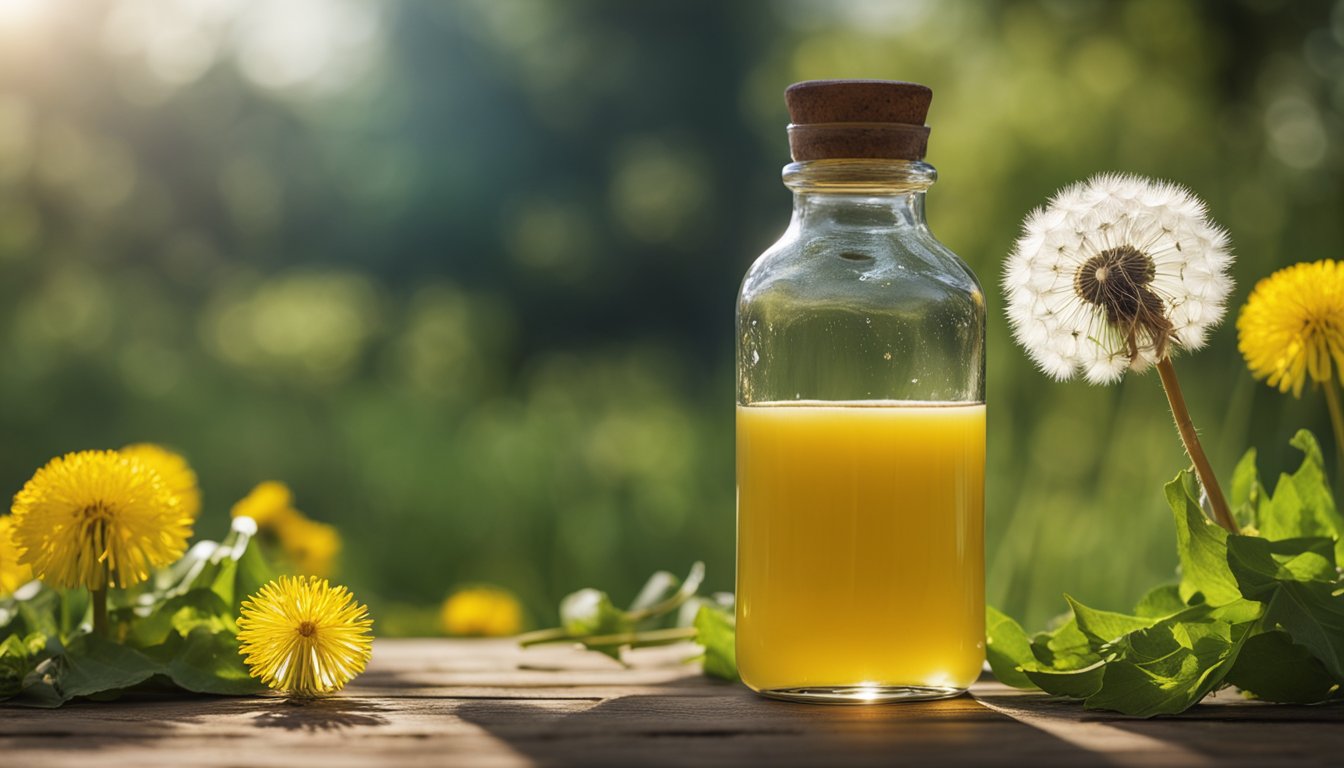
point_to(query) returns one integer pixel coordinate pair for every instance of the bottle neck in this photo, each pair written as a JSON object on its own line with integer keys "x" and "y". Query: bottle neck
{"x": 860, "y": 193}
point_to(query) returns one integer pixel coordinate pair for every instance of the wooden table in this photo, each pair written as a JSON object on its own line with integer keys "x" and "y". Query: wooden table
{"x": 469, "y": 703}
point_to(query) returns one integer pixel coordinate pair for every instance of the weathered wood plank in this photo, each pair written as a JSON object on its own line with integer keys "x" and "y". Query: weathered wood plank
{"x": 487, "y": 703}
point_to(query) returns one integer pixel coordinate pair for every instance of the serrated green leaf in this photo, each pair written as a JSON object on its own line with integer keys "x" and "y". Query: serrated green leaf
{"x": 181, "y": 615}
{"x": 41, "y": 613}
{"x": 1065, "y": 649}
{"x": 716, "y": 632}
{"x": 1282, "y": 514}
{"x": 1074, "y": 684}
{"x": 1274, "y": 668}
{"x": 94, "y": 665}
{"x": 1185, "y": 640}
{"x": 1102, "y": 627}
{"x": 1245, "y": 493}
{"x": 1313, "y": 615}
{"x": 38, "y": 692}
{"x": 208, "y": 662}
{"x": 1008, "y": 649}
{"x": 14, "y": 665}
{"x": 1303, "y": 504}
{"x": 1260, "y": 566}
{"x": 253, "y": 573}
{"x": 1294, "y": 578}
{"x": 19, "y": 656}
{"x": 56, "y": 613}
{"x": 1237, "y": 612}
{"x": 1201, "y": 546}
{"x": 1168, "y": 667}
{"x": 224, "y": 583}
{"x": 1160, "y": 602}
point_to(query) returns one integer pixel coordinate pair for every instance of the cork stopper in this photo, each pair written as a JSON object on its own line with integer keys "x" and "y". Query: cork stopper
{"x": 857, "y": 119}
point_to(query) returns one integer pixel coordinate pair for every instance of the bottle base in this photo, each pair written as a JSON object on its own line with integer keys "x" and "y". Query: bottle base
{"x": 861, "y": 694}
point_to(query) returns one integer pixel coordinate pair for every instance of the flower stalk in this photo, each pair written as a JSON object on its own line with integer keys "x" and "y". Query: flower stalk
{"x": 1336, "y": 422}
{"x": 99, "y": 599}
{"x": 1222, "y": 514}
{"x": 633, "y": 639}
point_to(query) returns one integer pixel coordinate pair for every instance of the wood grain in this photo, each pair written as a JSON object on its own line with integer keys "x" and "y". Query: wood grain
{"x": 487, "y": 703}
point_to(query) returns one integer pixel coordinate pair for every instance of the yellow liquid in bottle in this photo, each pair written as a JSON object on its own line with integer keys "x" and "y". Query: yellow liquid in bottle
{"x": 860, "y": 548}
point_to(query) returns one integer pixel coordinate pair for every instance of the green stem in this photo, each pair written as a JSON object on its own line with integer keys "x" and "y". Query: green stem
{"x": 1337, "y": 422}
{"x": 540, "y": 636}
{"x": 651, "y": 637}
{"x": 99, "y": 599}
{"x": 1221, "y": 513}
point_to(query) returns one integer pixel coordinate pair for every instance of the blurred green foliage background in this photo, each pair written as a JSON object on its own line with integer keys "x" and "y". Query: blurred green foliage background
{"x": 463, "y": 273}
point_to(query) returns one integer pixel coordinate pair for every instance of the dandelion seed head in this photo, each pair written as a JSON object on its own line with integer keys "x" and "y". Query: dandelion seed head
{"x": 1114, "y": 274}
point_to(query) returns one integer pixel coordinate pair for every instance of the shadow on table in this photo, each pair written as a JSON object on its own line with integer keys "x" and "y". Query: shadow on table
{"x": 1251, "y": 733}
{"x": 1228, "y": 731}
{"x": 322, "y": 715}
{"x": 150, "y": 720}
{"x": 730, "y": 725}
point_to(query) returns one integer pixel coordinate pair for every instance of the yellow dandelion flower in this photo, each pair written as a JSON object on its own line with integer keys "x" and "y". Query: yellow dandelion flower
{"x": 303, "y": 636}
{"x": 270, "y": 503}
{"x": 311, "y": 546}
{"x": 13, "y": 574}
{"x": 98, "y": 519}
{"x": 174, "y": 470}
{"x": 1292, "y": 327}
{"x": 483, "y": 611}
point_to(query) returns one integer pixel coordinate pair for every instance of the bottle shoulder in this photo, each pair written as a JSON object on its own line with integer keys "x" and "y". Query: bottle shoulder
{"x": 862, "y": 268}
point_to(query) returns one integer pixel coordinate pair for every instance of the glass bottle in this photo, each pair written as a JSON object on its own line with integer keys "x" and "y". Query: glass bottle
{"x": 860, "y": 420}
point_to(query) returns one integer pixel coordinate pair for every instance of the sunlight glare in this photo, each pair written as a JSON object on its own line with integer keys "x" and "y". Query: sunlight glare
{"x": 16, "y": 12}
